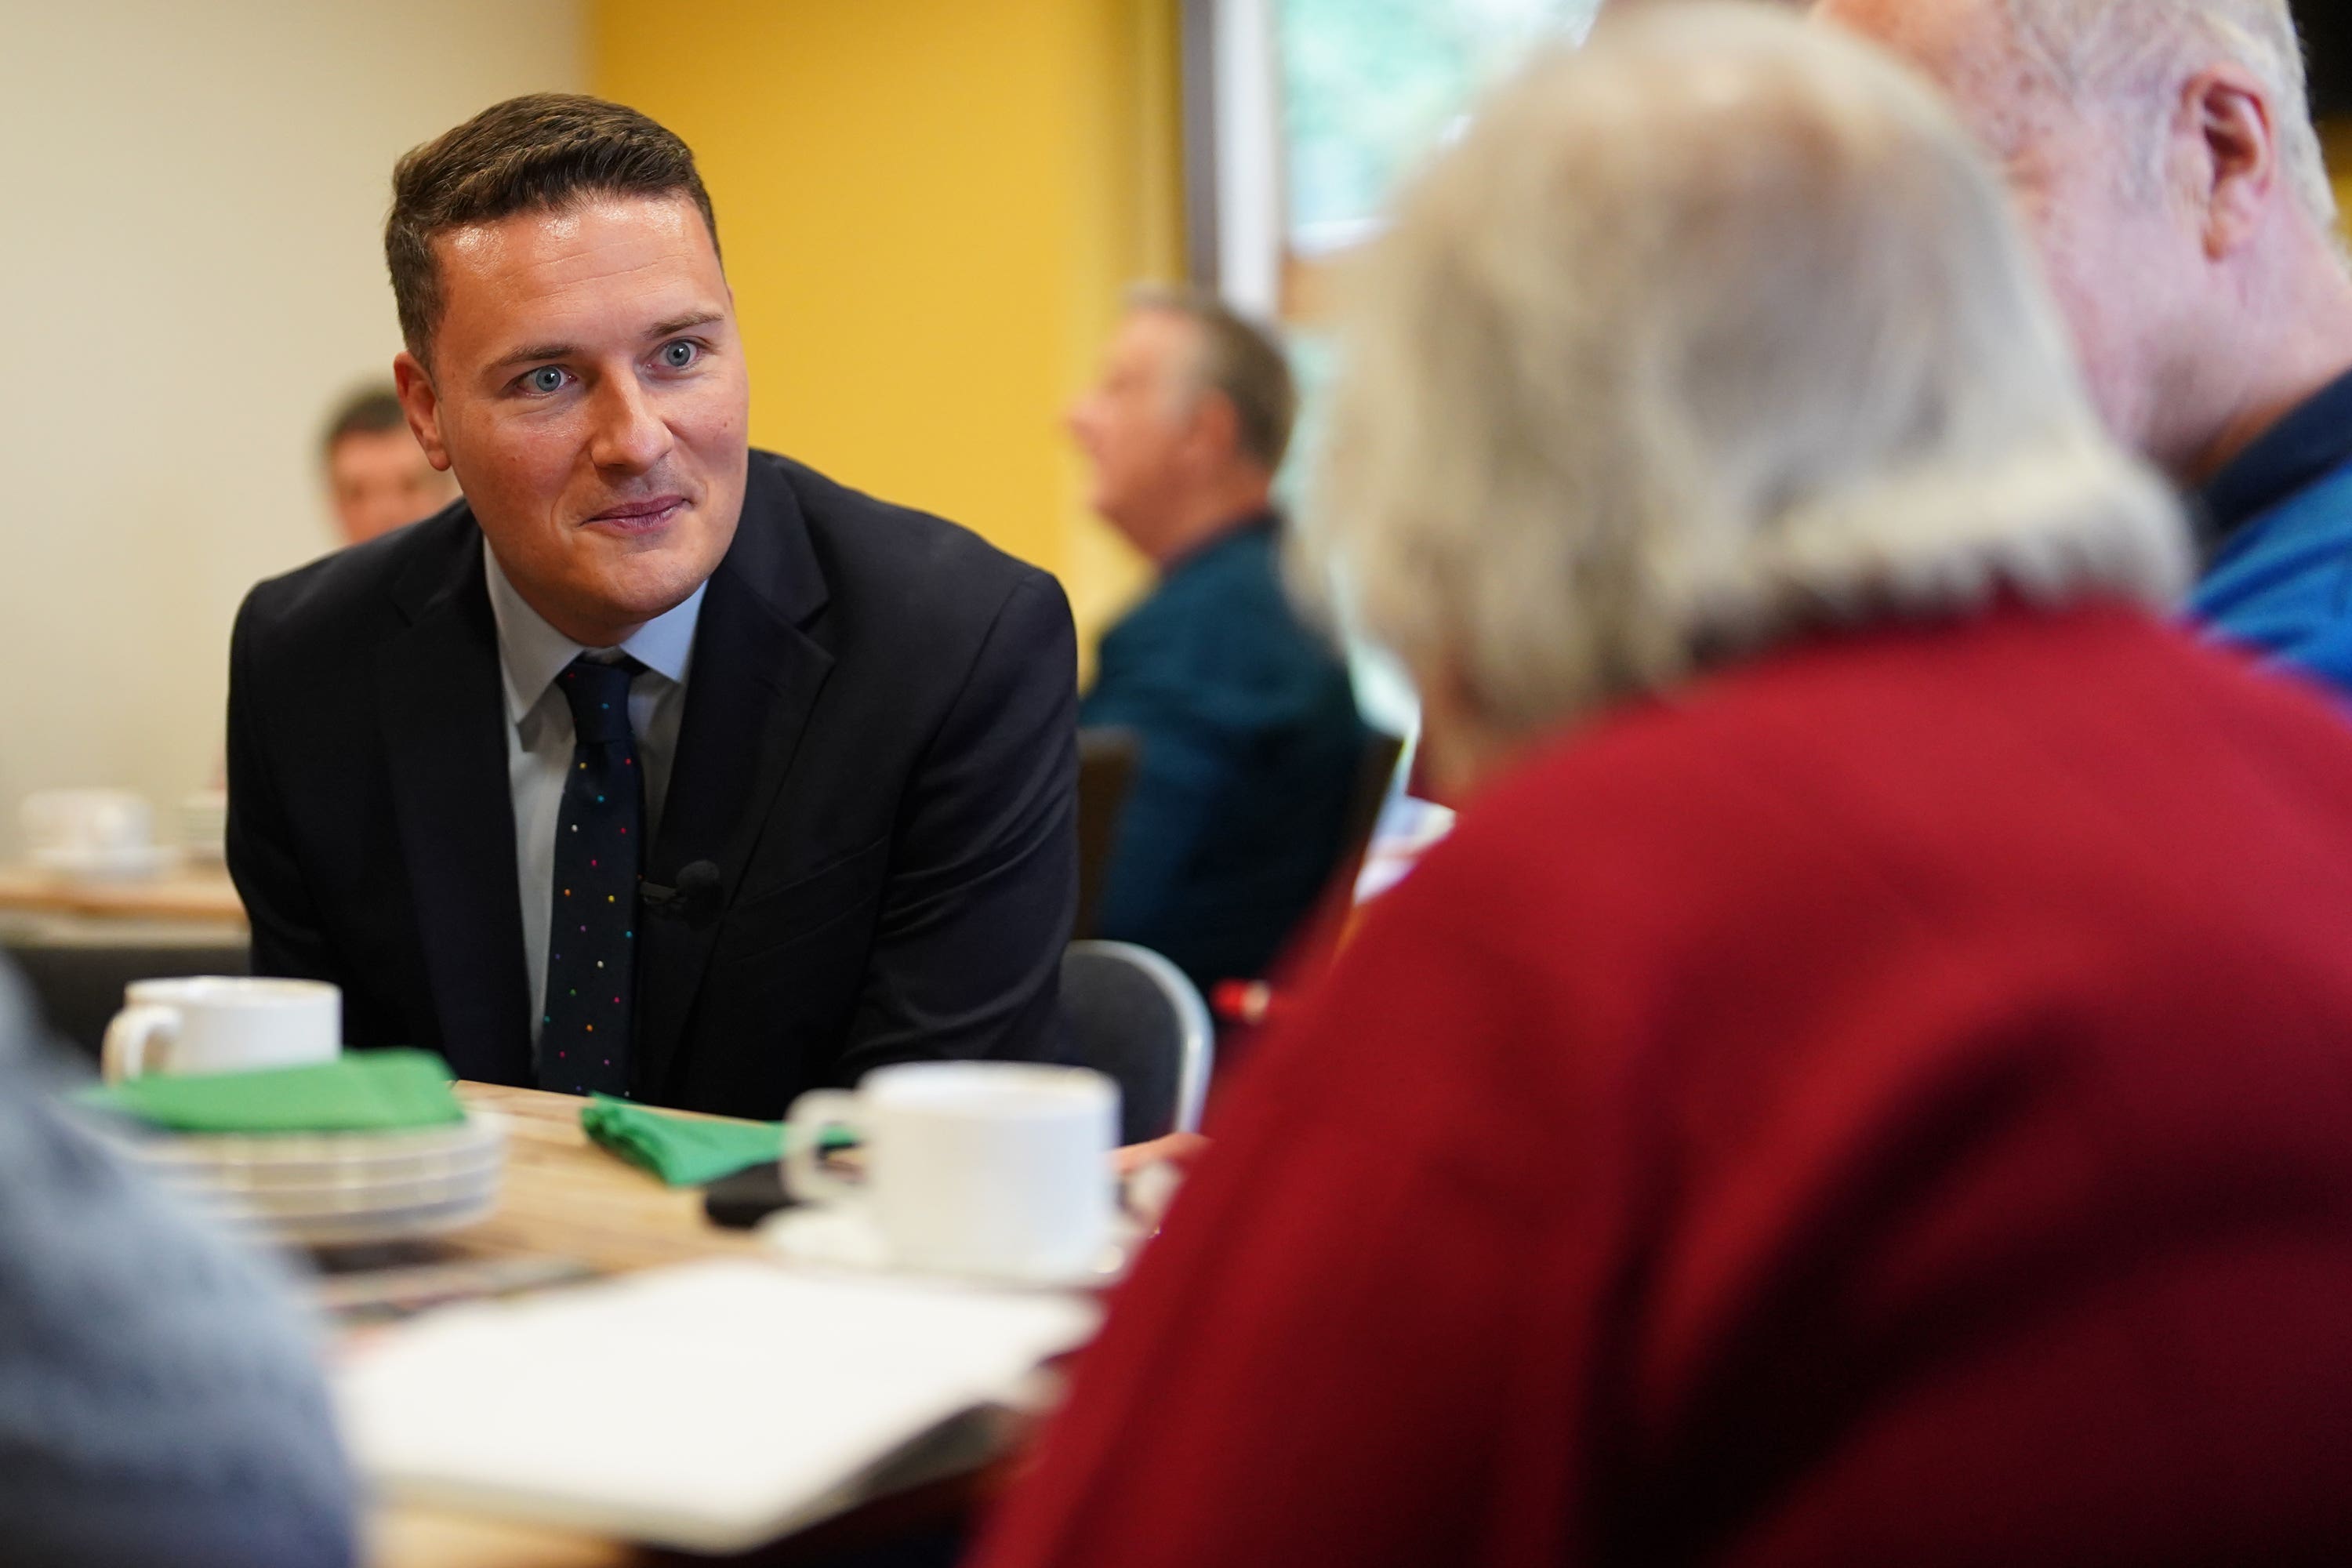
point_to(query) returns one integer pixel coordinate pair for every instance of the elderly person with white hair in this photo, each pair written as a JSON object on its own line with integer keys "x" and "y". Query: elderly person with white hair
{"x": 1866, "y": 1081}
{"x": 2163, "y": 156}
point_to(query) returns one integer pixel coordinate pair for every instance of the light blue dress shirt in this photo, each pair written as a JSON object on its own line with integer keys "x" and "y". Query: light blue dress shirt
{"x": 532, "y": 654}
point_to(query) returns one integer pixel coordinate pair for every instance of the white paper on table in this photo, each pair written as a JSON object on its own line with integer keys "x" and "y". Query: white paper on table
{"x": 711, "y": 1407}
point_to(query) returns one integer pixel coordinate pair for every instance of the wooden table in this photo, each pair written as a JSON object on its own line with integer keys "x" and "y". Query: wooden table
{"x": 565, "y": 1198}
{"x": 194, "y": 892}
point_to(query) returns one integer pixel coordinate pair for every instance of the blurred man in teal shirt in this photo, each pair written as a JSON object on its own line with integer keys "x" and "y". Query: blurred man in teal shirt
{"x": 1250, "y": 735}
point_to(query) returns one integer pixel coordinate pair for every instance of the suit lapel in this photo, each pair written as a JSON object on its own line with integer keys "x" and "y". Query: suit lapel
{"x": 753, "y": 683}
{"x": 443, "y": 718}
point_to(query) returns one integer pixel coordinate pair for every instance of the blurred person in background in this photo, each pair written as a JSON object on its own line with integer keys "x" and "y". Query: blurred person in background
{"x": 1251, "y": 741}
{"x": 378, "y": 478}
{"x": 2163, "y": 156}
{"x": 1865, "y": 1080}
{"x": 160, "y": 1401}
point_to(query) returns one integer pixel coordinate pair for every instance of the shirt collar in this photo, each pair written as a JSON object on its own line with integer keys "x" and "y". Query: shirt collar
{"x": 1257, "y": 522}
{"x": 531, "y": 653}
{"x": 2310, "y": 443}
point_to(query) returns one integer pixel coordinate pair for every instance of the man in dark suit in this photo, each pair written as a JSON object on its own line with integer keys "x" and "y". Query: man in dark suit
{"x": 1251, "y": 743}
{"x": 655, "y": 766}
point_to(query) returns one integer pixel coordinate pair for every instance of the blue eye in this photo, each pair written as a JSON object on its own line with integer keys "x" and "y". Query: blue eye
{"x": 546, "y": 378}
{"x": 679, "y": 356}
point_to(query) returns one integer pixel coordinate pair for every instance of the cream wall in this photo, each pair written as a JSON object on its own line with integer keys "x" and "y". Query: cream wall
{"x": 191, "y": 274}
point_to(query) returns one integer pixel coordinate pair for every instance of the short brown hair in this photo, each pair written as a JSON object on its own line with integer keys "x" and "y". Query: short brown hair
{"x": 536, "y": 152}
{"x": 371, "y": 411}
{"x": 1240, "y": 361}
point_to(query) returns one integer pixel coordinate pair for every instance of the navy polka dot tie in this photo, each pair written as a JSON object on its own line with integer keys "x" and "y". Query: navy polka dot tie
{"x": 591, "y": 935}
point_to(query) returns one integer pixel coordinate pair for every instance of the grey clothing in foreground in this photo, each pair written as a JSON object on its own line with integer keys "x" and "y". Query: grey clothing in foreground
{"x": 160, "y": 1400}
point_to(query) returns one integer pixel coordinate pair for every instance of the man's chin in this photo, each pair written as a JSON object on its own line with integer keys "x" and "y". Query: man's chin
{"x": 656, "y": 583}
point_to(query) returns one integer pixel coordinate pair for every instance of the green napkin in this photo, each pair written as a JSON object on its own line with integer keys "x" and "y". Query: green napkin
{"x": 683, "y": 1151}
{"x": 359, "y": 1092}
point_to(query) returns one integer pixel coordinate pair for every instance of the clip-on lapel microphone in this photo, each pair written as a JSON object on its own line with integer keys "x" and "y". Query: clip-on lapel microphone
{"x": 695, "y": 898}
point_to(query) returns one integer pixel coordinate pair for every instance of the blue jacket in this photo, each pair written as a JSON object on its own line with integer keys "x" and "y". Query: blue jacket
{"x": 1251, "y": 747}
{"x": 2279, "y": 576}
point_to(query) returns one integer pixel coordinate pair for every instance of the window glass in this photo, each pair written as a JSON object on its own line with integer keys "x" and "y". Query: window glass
{"x": 1367, "y": 86}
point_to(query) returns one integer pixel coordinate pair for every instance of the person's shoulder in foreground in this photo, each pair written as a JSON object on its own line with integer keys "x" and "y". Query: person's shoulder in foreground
{"x": 1865, "y": 1082}
{"x": 160, "y": 1407}
{"x": 1817, "y": 1123}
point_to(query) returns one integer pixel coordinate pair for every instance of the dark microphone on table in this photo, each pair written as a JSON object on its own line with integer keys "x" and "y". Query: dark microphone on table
{"x": 695, "y": 898}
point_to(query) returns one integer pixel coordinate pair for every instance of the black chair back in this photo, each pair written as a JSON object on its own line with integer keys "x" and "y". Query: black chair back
{"x": 1107, "y": 763}
{"x": 1137, "y": 1020}
{"x": 1375, "y": 779}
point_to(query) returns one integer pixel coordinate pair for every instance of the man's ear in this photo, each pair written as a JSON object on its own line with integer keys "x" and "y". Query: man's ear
{"x": 1216, "y": 427}
{"x": 423, "y": 407}
{"x": 2227, "y": 114}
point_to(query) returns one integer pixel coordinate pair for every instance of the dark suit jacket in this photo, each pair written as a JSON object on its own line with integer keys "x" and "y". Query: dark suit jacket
{"x": 877, "y": 752}
{"x": 1251, "y": 749}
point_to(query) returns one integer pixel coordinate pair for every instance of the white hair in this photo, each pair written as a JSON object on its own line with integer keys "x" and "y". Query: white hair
{"x": 1710, "y": 334}
{"x": 2134, "y": 55}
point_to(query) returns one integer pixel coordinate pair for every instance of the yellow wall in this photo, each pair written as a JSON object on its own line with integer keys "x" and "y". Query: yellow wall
{"x": 929, "y": 208}
{"x": 2336, "y": 136}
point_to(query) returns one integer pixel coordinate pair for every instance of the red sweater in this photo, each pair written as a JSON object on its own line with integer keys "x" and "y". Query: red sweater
{"x": 1891, "y": 1104}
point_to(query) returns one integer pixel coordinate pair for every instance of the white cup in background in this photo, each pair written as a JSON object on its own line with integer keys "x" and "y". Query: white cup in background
{"x": 222, "y": 1023}
{"x": 94, "y": 833}
{"x": 993, "y": 1169}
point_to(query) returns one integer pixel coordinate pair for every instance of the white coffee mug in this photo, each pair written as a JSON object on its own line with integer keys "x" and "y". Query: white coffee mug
{"x": 993, "y": 1169}
{"x": 221, "y": 1023}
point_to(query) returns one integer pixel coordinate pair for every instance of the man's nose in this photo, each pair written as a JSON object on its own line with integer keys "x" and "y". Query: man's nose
{"x": 629, "y": 432}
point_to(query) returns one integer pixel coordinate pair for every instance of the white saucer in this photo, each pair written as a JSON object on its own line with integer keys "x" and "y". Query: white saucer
{"x": 356, "y": 1198}
{"x": 247, "y": 1161}
{"x": 369, "y": 1230}
{"x": 336, "y": 1189}
{"x": 819, "y": 1236}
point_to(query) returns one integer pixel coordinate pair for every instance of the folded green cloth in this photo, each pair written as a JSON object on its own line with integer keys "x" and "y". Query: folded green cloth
{"x": 683, "y": 1151}
{"x": 359, "y": 1091}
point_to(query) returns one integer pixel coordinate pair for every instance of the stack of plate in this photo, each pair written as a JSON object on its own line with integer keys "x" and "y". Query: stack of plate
{"x": 340, "y": 1189}
{"x": 203, "y": 825}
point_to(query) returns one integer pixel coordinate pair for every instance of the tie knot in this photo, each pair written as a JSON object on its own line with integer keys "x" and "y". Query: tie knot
{"x": 599, "y": 696}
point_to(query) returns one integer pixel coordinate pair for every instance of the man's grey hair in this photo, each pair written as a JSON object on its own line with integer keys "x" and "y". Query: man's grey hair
{"x": 1715, "y": 332}
{"x": 1240, "y": 361}
{"x": 2134, "y": 55}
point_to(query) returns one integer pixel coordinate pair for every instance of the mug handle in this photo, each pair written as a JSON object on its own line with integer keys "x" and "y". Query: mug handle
{"x": 804, "y": 1177}
{"x": 129, "y": 1036}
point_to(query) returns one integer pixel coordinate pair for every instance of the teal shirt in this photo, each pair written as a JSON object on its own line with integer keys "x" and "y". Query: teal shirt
{"x": 1251, "y": 747}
